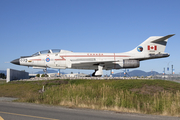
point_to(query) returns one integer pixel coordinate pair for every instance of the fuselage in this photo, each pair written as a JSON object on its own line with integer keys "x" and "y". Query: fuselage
{"x": 151, "y": 48}
{"x": 67, "y": 59}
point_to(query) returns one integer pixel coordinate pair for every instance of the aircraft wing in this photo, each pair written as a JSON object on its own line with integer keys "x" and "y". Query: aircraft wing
{"x": 93, "y": 63}
{"x": 90, "y": 64}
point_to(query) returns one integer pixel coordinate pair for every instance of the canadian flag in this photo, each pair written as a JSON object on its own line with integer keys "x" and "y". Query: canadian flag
{"x": 152, "y": 47}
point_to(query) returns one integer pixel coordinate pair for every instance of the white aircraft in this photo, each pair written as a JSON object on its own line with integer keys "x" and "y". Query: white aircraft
{"x": 151, "y": 48}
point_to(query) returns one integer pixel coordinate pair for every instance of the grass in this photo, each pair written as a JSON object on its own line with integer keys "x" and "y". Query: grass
{"x": 2, "y": 81}
{"x": 138, "y": 96}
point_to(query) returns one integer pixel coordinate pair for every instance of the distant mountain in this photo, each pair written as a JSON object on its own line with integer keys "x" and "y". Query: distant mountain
{"x": 136, "y": 73}
{"x": 49, "y": 71}
{"x": 3, "y": 71}
{"x": 130, "y": 73}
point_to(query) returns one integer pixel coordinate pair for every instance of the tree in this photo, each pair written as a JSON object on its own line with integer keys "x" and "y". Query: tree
{"x": 2, "y": 75}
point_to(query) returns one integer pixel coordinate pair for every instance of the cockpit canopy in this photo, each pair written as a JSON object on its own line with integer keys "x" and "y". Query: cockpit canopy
{"x": 50, "y": 51}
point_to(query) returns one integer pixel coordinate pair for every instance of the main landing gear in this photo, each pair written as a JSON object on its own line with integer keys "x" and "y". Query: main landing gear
{"x": 98, "y": 72}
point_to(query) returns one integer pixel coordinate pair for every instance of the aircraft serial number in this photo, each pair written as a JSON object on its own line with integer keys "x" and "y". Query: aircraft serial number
{"x": 23, "y": 60}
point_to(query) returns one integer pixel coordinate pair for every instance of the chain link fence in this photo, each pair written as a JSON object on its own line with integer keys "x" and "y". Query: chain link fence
{"x": 170, "y": 77}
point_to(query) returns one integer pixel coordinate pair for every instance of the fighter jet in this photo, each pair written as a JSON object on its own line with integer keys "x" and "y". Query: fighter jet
{"x": 151, "y": 48}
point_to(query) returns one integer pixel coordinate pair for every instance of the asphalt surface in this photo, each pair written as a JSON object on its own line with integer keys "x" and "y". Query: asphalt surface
{"x": 27, "y": 111}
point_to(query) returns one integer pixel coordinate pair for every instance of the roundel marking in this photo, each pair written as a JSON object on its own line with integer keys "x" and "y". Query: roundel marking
{"x": 47, "y": 59}
{"x": 139, "y": 49}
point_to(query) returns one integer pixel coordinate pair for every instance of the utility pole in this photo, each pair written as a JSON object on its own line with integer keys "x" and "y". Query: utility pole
{"x": 164, "y": 71}
{"x": 111, "y": 72}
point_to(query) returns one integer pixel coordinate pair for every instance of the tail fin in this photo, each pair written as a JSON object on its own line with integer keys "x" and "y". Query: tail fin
{"x": 153, "y": 45}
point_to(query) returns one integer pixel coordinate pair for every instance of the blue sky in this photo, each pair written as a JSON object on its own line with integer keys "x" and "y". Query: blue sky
{"x": 110, "y": 26}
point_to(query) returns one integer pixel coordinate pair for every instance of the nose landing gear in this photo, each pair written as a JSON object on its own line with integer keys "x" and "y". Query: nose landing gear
{"x": 45, "y": 72}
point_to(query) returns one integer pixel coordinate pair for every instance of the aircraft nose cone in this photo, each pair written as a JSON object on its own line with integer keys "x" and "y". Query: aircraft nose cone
{"x": 16, "y": 61}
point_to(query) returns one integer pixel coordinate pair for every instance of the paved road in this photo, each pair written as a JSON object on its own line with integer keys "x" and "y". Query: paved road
{"x": 24, "y": 111}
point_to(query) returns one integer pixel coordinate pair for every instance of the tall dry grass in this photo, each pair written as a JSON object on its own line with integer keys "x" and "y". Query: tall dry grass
{"x": 136, "y": 96}
{"x": 109, "y": 98}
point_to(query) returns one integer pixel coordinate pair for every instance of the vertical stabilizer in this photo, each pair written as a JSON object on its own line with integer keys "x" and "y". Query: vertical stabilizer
{"x": 153, "y": 45}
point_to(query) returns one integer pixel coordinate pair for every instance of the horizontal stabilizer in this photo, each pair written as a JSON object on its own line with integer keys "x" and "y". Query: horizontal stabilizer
{"x": 162, "y": 38}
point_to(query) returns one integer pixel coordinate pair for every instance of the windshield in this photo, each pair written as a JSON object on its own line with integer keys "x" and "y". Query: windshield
{"x": 36, "y": 54}
{"x": 47, "y": 51}
{"x": 55, "y": 50}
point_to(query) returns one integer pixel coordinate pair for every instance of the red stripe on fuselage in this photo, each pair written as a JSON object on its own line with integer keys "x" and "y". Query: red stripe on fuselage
{"x": 95, "y": 56}
{"x": 35, "y": 59}
{"x": 60, "y": 59}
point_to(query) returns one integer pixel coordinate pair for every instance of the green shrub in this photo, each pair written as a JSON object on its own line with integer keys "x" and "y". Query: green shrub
{"x": 42, "y": 75}
{"x": 38, "y": 75}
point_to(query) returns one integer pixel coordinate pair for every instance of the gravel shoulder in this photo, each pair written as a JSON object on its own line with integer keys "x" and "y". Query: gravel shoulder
{"x": 7, "y": 99}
